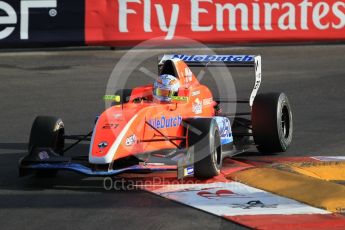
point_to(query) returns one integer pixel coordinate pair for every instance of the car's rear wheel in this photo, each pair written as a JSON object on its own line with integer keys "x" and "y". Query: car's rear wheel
{"x": 47, "y": 132}
{"x": 204, "y": 139}
{"x": 272, "y": 122}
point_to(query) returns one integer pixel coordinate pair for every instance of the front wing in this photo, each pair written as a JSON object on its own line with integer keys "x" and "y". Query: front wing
{"x": 80, "y": 168}
{"x": 41, "y": 159}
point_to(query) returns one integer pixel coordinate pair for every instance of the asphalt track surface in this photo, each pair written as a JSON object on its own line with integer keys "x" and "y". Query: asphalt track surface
{"x": 70, "y": 84}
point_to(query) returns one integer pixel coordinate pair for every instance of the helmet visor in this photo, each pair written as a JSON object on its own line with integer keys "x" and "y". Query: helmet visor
{"x": 164, "y": 92}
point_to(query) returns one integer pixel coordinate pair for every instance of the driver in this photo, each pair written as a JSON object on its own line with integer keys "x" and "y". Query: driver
{"x": 165, "y": 88}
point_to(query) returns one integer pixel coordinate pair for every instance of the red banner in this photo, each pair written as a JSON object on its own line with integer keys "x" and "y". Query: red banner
{"x": 127, "y": 22}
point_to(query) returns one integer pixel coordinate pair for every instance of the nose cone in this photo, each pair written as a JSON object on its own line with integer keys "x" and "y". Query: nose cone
{"x": 109, "y": 133}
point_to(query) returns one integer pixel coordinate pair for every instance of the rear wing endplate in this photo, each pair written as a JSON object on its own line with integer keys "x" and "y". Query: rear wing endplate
{"x": 222, "y": 61}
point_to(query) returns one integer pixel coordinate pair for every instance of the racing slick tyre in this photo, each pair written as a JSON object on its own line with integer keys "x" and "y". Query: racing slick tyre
{"x": 47, "y": 132}
{"x": 124, "y": 96}
{"x": 272, "y": 122}
{"x": 204, "y": 139}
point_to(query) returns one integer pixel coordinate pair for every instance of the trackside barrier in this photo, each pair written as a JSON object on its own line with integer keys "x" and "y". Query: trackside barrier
{"x": 28, "y": 23}
{"x": 37, "y": 23}
{"x": 126, "y": 22}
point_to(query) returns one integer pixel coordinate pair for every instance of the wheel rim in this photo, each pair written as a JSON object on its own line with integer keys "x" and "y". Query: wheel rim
{"x": 285, "y": 122}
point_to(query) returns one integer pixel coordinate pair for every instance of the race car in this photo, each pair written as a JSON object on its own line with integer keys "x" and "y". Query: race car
{"x": 173, "y": 124}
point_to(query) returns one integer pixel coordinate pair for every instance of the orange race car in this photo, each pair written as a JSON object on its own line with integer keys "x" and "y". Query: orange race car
{"x": 173, "y": 124}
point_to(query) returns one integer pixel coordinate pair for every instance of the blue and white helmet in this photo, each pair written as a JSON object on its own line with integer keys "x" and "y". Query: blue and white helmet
{"x": 165, "y": 87}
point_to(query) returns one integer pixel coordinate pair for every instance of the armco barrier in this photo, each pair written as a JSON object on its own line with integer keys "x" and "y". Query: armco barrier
{"x": 127, "y": 22}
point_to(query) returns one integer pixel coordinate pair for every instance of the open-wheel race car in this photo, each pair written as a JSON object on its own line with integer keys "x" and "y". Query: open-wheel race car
{"x": 173, "y": 124}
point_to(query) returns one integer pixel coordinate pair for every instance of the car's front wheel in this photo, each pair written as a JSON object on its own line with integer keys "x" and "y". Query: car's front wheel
{"x": 204, "y": 140}
{"x": 47, "y": 132}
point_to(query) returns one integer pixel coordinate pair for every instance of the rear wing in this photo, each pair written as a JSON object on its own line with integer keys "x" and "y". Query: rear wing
{"x": 222, "y": 61}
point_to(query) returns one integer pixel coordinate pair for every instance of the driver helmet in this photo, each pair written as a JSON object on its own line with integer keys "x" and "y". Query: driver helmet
{"x": 165, "y": 87}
